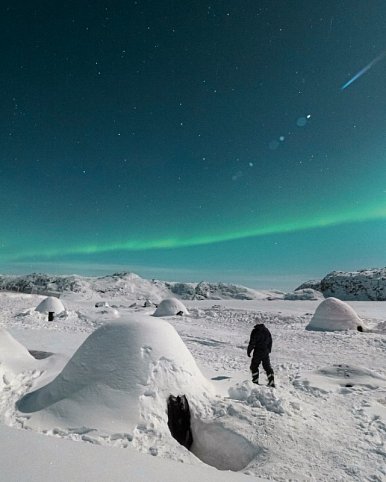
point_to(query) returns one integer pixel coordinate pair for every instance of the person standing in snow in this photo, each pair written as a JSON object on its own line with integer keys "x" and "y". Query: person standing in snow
{"x": 261, "y": 344}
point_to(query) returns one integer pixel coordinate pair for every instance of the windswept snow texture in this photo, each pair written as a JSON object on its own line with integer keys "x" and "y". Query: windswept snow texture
{"x": 122, "y": 375}
{"x": 332, "y": 315}
{"x": 326, "y": 420}
{"x": 50, "y": 304}
{"x": 170, "y": 307}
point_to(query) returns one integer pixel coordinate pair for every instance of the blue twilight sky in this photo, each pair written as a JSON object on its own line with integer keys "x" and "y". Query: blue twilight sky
{"x": 221, "y": 140}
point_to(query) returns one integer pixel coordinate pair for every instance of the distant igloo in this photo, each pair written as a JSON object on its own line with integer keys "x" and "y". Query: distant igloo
{"x": 120, "y": 377}
{"x": 170, "y": 307}
{"x": 50, "y": 305}
{"x": 334, "y": 315}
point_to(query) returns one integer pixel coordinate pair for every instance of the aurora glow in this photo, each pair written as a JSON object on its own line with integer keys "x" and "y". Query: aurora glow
{"x": 201, "y": 138}
{"x": 169, "y": 243}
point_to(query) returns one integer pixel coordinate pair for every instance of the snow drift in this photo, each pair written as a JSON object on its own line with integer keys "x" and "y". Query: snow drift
{"x": 334, "y": 315}
{"x": 14, "y": 357}
{"x": 170, "y": 307}
{"x": 119, "y": 378}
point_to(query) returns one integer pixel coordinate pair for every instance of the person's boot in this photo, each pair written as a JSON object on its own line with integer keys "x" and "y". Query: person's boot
{"x": 255, "y": 378}
{"x": 271, "y": 380}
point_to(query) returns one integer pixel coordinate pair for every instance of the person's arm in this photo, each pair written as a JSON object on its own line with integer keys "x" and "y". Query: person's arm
{"x": 251, "y": 344}
{"x": 270, "y": 343}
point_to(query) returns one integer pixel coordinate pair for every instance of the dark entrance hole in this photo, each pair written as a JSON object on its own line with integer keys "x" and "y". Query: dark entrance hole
{"x": 179, "y": 420}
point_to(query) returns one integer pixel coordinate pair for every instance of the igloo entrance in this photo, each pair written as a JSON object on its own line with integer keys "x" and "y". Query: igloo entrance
{"x": 211, "y": 442}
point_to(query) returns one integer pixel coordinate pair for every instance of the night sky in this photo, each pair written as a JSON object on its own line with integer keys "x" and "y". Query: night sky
{"x": 218, "y": 140}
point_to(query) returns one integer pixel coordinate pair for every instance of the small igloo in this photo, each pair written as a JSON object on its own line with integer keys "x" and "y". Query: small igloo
{"x": 170, "y": 307}
{"x": 121, "y": 376}
{"x": 335, "y": 315}
{"x": 50, "y": 305}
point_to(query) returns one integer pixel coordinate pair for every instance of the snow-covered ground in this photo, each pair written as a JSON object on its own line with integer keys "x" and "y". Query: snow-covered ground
{"x": 326, "y": 420}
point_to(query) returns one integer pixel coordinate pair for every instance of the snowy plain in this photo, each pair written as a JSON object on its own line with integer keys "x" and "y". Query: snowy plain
{"x": 326, "y": 420}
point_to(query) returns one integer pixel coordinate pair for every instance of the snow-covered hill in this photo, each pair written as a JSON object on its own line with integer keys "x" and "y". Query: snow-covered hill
{"x": 363, "y": 285}
{"x": 128, "y": 285}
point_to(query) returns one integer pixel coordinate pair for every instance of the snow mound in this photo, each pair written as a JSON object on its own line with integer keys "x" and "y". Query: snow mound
{"x": 334, "y": 315}
{"x": 170, "y": 307}
{"x": 14, "y": 357}
{"x": 50, "y": 304}
{"x": 119, "y": 379}
{"x": 256, "y": 397}
{"x": 304, "y": 294}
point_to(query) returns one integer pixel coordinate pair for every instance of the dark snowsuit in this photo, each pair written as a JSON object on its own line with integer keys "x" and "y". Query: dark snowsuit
{"x": 261, "y": 344}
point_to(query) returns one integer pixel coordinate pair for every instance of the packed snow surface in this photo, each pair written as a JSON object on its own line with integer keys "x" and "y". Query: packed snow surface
{"x": 326, "y": 420}
{"x": 50, "y": 304}
{"x": 333, "y": 314}
{"x": 170, "y": 307}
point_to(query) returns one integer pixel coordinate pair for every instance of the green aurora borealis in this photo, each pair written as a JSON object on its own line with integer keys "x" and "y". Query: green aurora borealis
{"x": 368, "y": 214}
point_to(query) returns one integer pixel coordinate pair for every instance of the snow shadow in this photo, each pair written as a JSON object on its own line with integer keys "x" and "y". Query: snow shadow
{"x": 220, "y": 447}
{"x": 40, "y": 355}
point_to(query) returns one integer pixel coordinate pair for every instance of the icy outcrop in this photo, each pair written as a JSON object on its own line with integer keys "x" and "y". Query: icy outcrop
{"x": 119, "y": 378}
{"x": 214, "y": 291}
{"x": 304, "y": 294}
{"x": 221, "y": 291}
{"x": 335, "y": 315}
{"x": 129, "y": 285}
{"x": 37, "y": 283}
{"x": 311, "y": 284}
{"x": 364, "y": 285}
{"x": 50, "y": 304}
{"x": 170, "y": 307}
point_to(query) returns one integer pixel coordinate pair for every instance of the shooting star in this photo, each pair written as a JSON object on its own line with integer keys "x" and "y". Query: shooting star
{"x": 363, "y": 71}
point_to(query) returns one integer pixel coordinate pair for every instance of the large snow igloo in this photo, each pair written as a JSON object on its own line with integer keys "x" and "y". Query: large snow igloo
{"x": 335, "y": 315}
{"x": 120, "y": 377}
{"x": 170, "y": 307}
{"x": 50, "y": 305}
